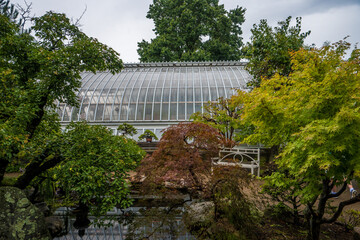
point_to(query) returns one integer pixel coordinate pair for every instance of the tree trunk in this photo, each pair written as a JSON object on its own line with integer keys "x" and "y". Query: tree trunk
{"x": 3, "y": 164}
{"x": 314, "y": 229}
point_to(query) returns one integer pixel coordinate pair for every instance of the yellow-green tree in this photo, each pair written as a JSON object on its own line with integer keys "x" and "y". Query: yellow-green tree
{"x": 225, "y": 116}
{"x": 314, "y": 114}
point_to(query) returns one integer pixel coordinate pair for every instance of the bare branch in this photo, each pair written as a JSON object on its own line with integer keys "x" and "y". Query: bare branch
{"x": 77, "y": 23}
{"x": 24, "y": 13}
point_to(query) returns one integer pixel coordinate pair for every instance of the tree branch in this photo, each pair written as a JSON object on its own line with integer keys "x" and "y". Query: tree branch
{"x": 340, "y": 208}
{"x": 34, "y": 169}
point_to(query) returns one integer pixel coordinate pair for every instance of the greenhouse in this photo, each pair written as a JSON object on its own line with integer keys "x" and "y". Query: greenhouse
{"x": 153, "y": 95}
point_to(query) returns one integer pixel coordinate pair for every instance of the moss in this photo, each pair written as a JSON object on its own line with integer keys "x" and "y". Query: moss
{"x": 8, "y": 181}
{"x": 9, "y": 198}
{"x": 19, "y": 219}
{"x": 23, "y": 203}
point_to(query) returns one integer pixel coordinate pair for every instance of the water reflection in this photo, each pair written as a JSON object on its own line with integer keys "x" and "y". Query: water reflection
{"x": 132, "y": 223}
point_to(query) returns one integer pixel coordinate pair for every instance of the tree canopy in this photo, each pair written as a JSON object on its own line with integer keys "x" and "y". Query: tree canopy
{"x": 269, "y": 49}
{"x": 183, "y": 157}
{"x": 225, "y": 115}
{"x": 38, "y": 69}
{"x": 96, "y": 164}
{"x": 313, "y": 113}
{"x": 193, "y": 30}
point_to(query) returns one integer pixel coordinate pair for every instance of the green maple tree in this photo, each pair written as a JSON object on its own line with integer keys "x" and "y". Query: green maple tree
{"x": 314, "y": 114}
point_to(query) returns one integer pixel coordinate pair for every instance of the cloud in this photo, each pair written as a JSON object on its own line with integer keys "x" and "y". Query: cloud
{"x": 122, "y": 23}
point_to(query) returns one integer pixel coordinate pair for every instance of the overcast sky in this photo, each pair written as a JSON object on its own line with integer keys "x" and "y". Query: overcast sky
{"x": 122, "y": 23}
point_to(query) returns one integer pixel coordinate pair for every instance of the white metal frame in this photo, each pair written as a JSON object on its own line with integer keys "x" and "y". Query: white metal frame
{"x": 243, "y": 157}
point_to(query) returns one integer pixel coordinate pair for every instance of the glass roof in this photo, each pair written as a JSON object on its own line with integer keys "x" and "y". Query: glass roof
{"x": 154, "y": 91}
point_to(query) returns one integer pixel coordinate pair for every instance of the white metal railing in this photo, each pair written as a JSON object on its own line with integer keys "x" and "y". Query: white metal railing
{"x": 239, "y": 156}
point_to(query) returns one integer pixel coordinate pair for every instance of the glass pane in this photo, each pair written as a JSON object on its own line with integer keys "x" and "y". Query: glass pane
{"x": 67, "y": 113}
{"x": 123, "y": 113}
{"x": 173, "y": 95}
{"x": 190, "y": 94}
{"x": 182, "y": 95}
{"x": 211, "y": 78}
{"x": 134, "y": 95}
{"x": 91, "y": 112}
{"x": 158, "y": 95}
{"x": 181, "y": 113}
{"x": 131, "y": 112}
{"x": 154, "y": 78}
{"x": 206, "y": 96}
{"x": 196, "y": 76}
{"x": 107, "y": 112}
{"x": 197, "y": 94}
{"x": 214, "y": 95}
{"x": 173, "y": 111}
{"x": 222, "y": 92}
{"x": 156, "y": 111}
{"x": 197, "y": 107}
{"x": 166, "y": 94}
{"x": 99, "y": 111}
{"x": 189, "y": 109}
{"x": 140, "y": 112}
{"x": 150, "y": 95}
{"x": 142, "y": 95}
{"x": 126, "y": 96}
{"x": 74, "y": 114}
{"x": 148, "y": 110}
{"x": 165, "y": 112}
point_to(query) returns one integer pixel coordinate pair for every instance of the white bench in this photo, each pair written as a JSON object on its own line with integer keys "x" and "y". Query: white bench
{"x": 237, "y": 156}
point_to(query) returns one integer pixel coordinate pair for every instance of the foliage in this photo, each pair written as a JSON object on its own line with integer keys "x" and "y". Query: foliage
{"x": 148, "y": 134}
{"x": 10, "y": 11}
{"x": 193, "y": 30}
{"x": 314, "y": 114}
{"x": 282, "y": 187}
{"x": 351, "y": 218}
{"x": 96, "y": 166}
{"x": 183, "y": 158}
{"x": 235, "y": 216}
{"x": 270, "y": 49}
{"x": 8, "y": 181}
{"x": 38, "y": 68}
{"x": 153, "y": 223}
{"x": 127, "y": 129}
{"x": 225, "y": 115}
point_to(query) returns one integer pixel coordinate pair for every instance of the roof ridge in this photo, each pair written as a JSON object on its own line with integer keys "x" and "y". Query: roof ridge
{"x": 186, "y": 64}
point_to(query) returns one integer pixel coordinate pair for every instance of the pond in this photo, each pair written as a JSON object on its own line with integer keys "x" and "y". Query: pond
{"x": 131, "y": 223}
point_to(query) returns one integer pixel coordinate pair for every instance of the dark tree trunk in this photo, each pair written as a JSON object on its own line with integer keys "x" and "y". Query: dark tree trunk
{"x": 314, "y": 229}
{"x": 3, "y": 164}
{"x": 35, "y": 169}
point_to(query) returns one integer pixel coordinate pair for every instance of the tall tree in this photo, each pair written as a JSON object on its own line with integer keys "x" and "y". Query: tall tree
{"x": 193, "y": 30}
{"x": 270, "y": 48}
{"x": 314, "y": 114}
{"x": 38, "y": 68}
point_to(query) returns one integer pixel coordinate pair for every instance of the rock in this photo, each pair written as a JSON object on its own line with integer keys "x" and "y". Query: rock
{"x": 356, "y": 235}
{"x": 19, "y": 218}
{"x": 199, "y": 216}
